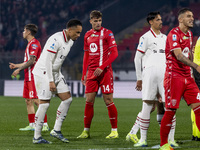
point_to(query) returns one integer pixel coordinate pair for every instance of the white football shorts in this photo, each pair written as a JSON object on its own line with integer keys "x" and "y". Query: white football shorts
{"x": 43, "y": 89}
{"x": 152, "y": 83}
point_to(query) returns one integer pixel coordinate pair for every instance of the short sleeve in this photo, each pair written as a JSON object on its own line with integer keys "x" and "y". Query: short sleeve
{"x": 86, "y": 47}
{"x": 143, "y": 44}
{"x": 34, "y": 49}
{"x": 111, "y": 39}
{"x": 52, "y": 44}
{"x": 173, "y": 40}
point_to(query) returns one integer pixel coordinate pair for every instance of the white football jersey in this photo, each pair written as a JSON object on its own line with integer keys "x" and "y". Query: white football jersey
{"x": 153, "y": 47}
{"x": 53, "y": 55}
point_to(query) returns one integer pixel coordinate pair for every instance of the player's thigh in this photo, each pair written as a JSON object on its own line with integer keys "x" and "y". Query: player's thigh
{"x": 42, "y": 87}
{"x": 192, "y": 93}
{"x": 174, "y": 89}
{"x": 106, "y": 82}
{"x": 161, "y": 90}
{"x": 149, "y": 84}
{"x": 62, "y": 86}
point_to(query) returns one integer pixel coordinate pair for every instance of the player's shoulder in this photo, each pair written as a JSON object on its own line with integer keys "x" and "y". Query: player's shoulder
{"x": 175, "y": 30}
{"x": 88, "y": 33}
{"x": 146, "y": 35}
{"x": 107, "y": 31}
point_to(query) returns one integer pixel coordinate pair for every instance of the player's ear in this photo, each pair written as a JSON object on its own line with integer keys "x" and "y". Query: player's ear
{"x": 90, "y": 21}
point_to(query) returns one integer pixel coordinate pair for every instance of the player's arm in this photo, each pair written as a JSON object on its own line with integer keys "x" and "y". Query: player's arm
{"x": 14, "y": 66}
{"x": 138, "y": 68}
{"x": 25, "y": 65}
{"x": 85, "y": 66}
{"x": 185, "y": 60}
{"x": 112, "y": 57}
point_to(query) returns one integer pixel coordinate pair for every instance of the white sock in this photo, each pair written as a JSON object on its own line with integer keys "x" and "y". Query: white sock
{"x": 172, "y": 130}
{"x": 114, "y": 129}
{"x": 145, "y": 120}
{"x": 32, "y": 124}
{"x": 159, "y": 118}
{"x": 39, "y": 119}
{"x": 45, "y": 124}
{"x": 62, "y": 113}
{"x": 86, "y": 129}
{"x": 136, "y": 125}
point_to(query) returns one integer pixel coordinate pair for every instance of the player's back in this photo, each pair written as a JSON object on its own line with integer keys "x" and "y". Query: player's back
{"x": 176, "y": 39}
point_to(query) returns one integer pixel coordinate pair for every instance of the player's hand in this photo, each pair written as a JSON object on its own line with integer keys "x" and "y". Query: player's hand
{"x": 12, "y": 66}
{"x": 83, "y": 80}
{"x": 98, "y": 72}
{"x": 139, "y": 85}
{"x": 16, "y": 72}
{"x": 52, "y": 86}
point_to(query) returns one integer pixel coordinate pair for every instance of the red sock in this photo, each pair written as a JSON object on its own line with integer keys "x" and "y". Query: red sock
{"x": 31, "y": 118}
{"x": 45, "y": 118}
{"x": 197, "y": 116}
{"x": 166, "y": 124}
{"x": 88, "y": 115}
{"x": 112, "y": 112}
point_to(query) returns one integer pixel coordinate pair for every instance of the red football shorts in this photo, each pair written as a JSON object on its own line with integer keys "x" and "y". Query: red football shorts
{"x": 29, "y": 90}
{"x": 105, "y": 81}
{"x": 176, "y": 88}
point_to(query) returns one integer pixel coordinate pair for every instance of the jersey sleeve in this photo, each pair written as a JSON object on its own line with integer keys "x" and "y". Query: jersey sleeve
{"x": 34, "y": 49}
{"x": 86, "y": 46}
{"x": 53, "y": 44}
{"x": 173, "y": 40}
{"x": 143, "y": 44}
{"x": 111, "y": 39}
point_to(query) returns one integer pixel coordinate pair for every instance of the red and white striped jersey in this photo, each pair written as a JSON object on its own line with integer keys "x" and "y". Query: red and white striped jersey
{"x": 98, "y": 43}
{"x": 177, "y": 39}
{"x": 33, "y": 48}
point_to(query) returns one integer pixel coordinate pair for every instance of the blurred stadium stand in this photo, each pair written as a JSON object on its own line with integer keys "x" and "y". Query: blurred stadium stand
{"x": 126, "y": 18}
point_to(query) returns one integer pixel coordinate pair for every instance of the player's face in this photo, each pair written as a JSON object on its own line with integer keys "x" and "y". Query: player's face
{"x": 156, "y": 23}
{"x": 187, "y": 19}
{"x": 96, "y": 23}
{"x": 75, "y": 32}
{"x": 26, "y": 33}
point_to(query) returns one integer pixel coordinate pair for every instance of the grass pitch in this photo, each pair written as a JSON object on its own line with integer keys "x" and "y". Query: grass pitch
{"x": 13, "y": 116}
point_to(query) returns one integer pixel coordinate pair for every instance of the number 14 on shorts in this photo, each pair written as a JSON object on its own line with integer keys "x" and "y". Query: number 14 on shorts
{"x": 106, "y": 88}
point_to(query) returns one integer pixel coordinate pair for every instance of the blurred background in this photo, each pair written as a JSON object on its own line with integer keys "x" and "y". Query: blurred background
{"x": 126, "y": 18}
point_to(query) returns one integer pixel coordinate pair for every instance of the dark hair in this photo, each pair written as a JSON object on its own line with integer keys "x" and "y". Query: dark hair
{"x": 95, "y": 14}
{"x": 183, "y": 10}
{"x": 73, "y": 23}
{"x": 152, "y": 15}
{"x": 32, "y": 27}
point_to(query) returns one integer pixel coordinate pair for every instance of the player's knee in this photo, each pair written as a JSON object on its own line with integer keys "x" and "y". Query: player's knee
{"x": 36, "y": 102}
{"x": 29, "y": 102}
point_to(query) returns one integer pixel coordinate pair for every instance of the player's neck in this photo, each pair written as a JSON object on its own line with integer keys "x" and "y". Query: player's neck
{"x": 183, "y": 28}
{"x": 157, "y": 32}
{"x": 29, "y": 38}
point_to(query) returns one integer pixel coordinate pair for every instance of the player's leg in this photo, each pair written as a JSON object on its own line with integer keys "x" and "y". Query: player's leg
{"x": 44, "y": 94}
{"x": 88, "y": 114}
{"x": 61, "y": 115}
{"x": 112, "y": 113}
{"x": 195, "y": 130}
{"x": 132, "y": 135}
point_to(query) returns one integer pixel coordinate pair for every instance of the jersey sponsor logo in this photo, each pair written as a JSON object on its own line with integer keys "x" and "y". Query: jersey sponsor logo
{"x": 52, "y": 46}
{"x": 94, "y": 35}
{"x": 174, "y": 44}
{"x": 34, "y": 46}
{"x": 93, "y": 47}
{"x": 174, "y": 37}
{"x": 113, "y": 42}
{"x": 32, "y": 52}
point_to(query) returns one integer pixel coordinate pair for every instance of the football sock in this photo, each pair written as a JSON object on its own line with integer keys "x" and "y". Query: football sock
{"x": 39, "y": 119}
{"x": 88, "y": 114}
{"x": 136, "y": 125}
{"x": 31, "y": 118}
{"x": 45, "y": 118}
{"x": 197, "y": 116}
{"x": 112, "y": 112}
{"x": 145, "y": 120}
{"x": 166, "y": 124}
{"x": 62, "y": 113}
{"x": 172, "y": 130}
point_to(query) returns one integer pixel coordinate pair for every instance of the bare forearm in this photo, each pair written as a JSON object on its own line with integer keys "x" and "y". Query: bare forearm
{"x": 186, "y": 61}
{"x": 28, "y": 63}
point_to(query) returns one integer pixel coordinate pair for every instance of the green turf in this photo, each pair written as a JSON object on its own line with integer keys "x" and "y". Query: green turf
{"x": 13, "y": 116}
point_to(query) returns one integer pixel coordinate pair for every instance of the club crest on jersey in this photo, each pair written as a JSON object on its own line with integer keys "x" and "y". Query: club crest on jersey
{"x": 52, "y": 46}
{"x": 93, "y": 47}
{"x": 174, "y": 37}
